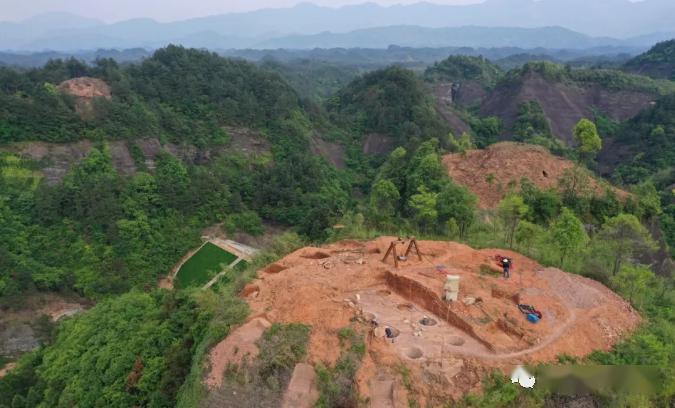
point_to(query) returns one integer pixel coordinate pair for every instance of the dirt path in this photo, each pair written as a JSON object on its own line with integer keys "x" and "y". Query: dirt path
{"x": 223, "y": 272}
{"x": 301, "y": 391}
{"x": 382, "y": 393}
{"x": 549, "y": 340}
{"x": 242, "y": 251}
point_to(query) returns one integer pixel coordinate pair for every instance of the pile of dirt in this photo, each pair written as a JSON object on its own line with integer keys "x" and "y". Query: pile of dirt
{"x": 85, "y": 90}
{"x": 348, "y": 283}
{"x": 488, "y": 173}
{"x": 563, "y": 104}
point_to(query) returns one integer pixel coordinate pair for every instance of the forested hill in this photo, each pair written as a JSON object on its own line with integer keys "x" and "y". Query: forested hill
{"x": 393, "y": 102}
{"x": 464, "y": 68}
{"x": 647, "y": 143}
{"x": 183, "y": 95}
{"x": 108, "y": 236}
{"x": 99, "y": 232}
{"x": 658, "y": 62}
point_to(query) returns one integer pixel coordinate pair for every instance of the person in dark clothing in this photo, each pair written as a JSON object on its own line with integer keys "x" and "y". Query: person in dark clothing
{"x": 506, "y": 264}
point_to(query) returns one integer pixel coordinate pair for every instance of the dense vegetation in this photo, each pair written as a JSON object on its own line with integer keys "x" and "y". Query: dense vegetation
{"x": 99, "y": 232}
{"x": 647, "y": 143}
{"x": 607, "y": 78}
{"x": 178, "y": 94}
{"x": 460, "y": 68}
{"x": 531, "y": 126}
{"x": 90, "y": 363}
{"x": 658, "y": 62}
{"x": 393, "y": 102}
{"x": 109, "y": 237}
{"x": 315, "y": 80}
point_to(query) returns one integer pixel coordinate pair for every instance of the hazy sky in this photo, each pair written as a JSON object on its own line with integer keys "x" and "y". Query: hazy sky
{"x": 164, "y": 10}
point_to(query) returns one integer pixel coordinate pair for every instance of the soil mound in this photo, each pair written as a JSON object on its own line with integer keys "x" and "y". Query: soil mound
{"x": 348, "y": 284}
{"x": 488, "y": 173}
{"x": 85, "y": 89}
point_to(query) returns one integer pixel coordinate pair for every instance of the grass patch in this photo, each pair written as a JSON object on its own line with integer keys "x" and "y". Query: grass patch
{"x": 203, "y": 266}
{"x": 282, "y": 346}
{"x": 337, "y": 385}
{"x": 407, "y": 382}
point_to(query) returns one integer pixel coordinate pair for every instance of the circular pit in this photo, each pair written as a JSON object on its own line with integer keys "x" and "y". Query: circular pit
{"x": 456, "y": 341}
{"x": 427, "y": 321}
{"x": 414, "y": 353}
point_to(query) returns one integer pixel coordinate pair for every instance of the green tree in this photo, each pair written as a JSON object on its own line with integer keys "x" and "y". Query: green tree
{"x": 89, "y": 190}
{"x": 392, "y": 169}
{"x": 531, "y": 122}
{"x": 567, "y": 234}
{"x": 544, "y": 205}
{"x": 456, "y": 202}
{"x": 576, "y": 189}
{"x": 633, "y": 281}
{"x": 625, "y": 237}
{"x": 172, "y": 179}
{"x": 384, "y": 200}
{"x": 527, "y": 234}
{"x": 649, "y": 201}
{"x": 423, "y": 207}
{"x": 511, "y": 211}
{"x": 461, "y": 144}
{"x": 587, "y": 138}
{"x": 486, "y": 130}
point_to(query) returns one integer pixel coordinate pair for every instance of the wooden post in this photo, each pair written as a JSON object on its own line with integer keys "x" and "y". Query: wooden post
{"x": 413, "y": 242}
{"x": 392, "y": 250}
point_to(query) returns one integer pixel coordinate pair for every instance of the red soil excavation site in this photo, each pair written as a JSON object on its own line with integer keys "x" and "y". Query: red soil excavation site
{"x": 458, "y": 342}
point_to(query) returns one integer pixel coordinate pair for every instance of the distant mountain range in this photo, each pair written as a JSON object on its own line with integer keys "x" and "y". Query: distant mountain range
{"x": 469, "y": 36}
{"x": 493, "y": 23}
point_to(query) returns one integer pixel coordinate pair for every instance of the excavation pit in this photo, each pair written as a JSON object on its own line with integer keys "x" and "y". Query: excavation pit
{"x": 250, "y": 289}
{"x": 456, "y": 341}
{"x": 405, "y": 307}
{"x": 414, "y": 353}
{"x": 316, "y": 255}
{"x": 383, "y": 292}
{"x": 428, "y": 321}
{"x": 275, "y": 268}
{"x": 394, "y": 332}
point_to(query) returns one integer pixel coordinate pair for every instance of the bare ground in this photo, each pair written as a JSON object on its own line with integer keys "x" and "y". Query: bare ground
{"x": 331, "y": 286}
{"x": 506, "y": 163}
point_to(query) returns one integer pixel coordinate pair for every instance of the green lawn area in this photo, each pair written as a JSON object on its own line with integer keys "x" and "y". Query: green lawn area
{"x": 203, "y": 266}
